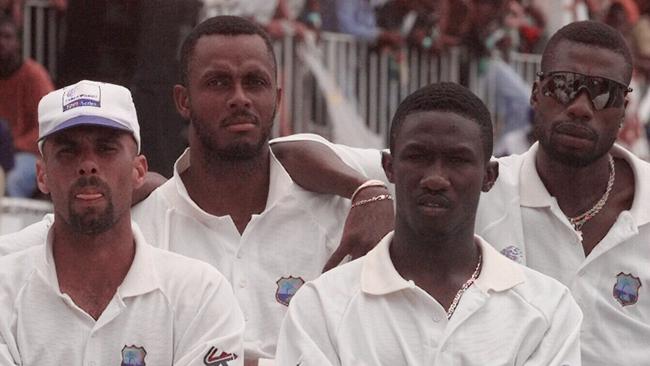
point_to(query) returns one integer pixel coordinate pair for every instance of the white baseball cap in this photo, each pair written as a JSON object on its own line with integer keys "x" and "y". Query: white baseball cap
{"x": 87, "y": 103}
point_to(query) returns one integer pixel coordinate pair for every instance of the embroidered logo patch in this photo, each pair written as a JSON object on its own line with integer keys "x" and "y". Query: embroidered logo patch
{"x": 626, "y": 289}
{"x": 514, "y": 253}
{"x": 82, "y": 95}
{"x": 215, "y": 357}
{"x": 133, "y": 356}
{"x": 287, "y": 287}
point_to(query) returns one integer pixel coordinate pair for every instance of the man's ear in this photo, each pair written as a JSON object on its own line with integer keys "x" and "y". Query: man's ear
{"x": 140, "y": 168}
{"x": 41, "y": 176}
{"x": 533, "y": 94}
{"x": 278, "y": 99}
{"x": 182, "y": 101}
{"x": 387, "y": 164}
{"x": 491, "y": 175}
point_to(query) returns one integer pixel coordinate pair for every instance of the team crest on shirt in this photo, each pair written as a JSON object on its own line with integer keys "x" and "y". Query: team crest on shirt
{"x": 626, "y": 289}
{"x": 287, "y": 287}
{"x": 216, "y": 357}
{"x": 514, "y": 253}
{"x": 133, "y": 356}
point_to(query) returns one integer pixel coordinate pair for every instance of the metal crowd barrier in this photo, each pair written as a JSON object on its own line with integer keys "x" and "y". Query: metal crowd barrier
{"x": 41, "y": 33}
{"x": 373, "y": 81}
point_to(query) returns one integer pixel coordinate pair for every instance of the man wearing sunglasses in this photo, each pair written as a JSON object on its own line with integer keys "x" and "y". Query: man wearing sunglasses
{"x": 576, "y": 206}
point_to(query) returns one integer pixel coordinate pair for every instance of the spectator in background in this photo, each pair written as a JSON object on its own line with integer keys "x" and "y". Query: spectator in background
{"x": 357, "y": 18}
{"x": 419, "y": 21}
{"x": 279, "y": 18}
{"x": 489, "y": 40}
{"x": 22, "y": 84}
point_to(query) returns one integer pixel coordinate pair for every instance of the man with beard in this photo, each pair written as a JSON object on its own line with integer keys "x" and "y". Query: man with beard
{"x": 96, "y": 293}
{"x": 431, "y": 292}
{"x": 230, "y": 201}
{"x": 575, "y": 206}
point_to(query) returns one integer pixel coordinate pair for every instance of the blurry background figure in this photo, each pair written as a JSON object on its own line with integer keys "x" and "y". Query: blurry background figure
{"x": 358, "y": 18}
{"x": 163, "y": 25}
{"x": 22, "y": 84}
{"x": 280, "y": 18}
{"x": 490, "y": 39}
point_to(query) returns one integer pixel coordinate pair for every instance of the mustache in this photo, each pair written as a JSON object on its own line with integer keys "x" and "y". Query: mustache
{"x": 239, "y": 115}
{"x": 92, "y": 181}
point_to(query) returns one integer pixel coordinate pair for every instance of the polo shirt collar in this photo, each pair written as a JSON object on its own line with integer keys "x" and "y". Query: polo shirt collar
{"x": 641, "y": 170}
{"x": 279, "y": 181}
{"x": 140, "y": 279}
{"x": 379, "y": 276}
{"x": 532, "y": 191}
{"x": 498, "y": 273}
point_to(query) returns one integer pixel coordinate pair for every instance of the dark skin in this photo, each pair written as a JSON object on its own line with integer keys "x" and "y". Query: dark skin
{"x": 439, "y": 169}
{"x": 577, "y": 187}
{"x": 90, "y": 265}
{"x": 228, "y": 75}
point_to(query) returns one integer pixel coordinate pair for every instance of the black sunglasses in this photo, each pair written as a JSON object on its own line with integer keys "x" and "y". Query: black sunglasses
{"x": 565, "y": 86}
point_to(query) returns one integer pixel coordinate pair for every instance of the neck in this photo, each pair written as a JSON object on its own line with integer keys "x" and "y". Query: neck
{"x": 87, "y": 254}
{"x": 9, "y": 67}
{"x": 447, "y": 258}
{"x": 235, "y": 187}
{"x": 575, "y": 188}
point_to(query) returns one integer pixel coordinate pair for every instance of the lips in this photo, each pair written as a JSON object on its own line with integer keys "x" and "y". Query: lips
{"x": 434, "y": 201}
{"x": 575, "y": 130}
{"x": 88, "y": 194}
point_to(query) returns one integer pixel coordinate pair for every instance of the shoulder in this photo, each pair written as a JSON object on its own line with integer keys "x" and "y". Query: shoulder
{"x": 35, "y": 72}
{"x": 15, "y": 271}
{"x": 334, "y": 289}
{"x": 544, "y": 294}
{"x": 156, "y": 203}
{"x": 30, "y": 236}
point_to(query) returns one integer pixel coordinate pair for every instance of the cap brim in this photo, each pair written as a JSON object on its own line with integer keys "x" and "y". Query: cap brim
{"x": 87, "y": 121}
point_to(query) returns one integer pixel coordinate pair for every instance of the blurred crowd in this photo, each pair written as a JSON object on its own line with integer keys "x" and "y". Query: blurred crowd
{"x": 135, "y": 43}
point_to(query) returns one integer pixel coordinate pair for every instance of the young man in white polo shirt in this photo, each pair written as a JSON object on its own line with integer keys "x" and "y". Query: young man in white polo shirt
{"x": 96, "y": 293}
{"x": 575, "y": 206}
{"x": 433, "y": 293}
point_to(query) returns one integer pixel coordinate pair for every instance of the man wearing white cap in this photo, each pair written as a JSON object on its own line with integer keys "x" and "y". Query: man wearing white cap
{"x": 96, "y": 293}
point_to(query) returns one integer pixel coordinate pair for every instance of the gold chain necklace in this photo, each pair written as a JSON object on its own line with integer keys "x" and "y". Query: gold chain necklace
{"x": 579, "y": 221}
{"x": 465, "y": 286}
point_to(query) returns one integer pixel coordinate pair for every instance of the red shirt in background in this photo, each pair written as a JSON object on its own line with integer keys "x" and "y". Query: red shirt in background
{"x": 19, "y": 97}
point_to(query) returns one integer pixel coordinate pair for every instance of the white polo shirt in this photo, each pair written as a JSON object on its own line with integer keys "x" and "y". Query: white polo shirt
{"x": 280, "y": 249}
{"x": 168, "y": 310}
{"x": 365, "y": 313}
{"x": 611, "y": 284}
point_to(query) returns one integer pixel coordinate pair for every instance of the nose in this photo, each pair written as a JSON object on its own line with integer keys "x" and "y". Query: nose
{"x": 88, "y": 164}
{"x": 581, "y": 108}
{"x": 435, "y": 178}
{"x": 239, "y": 98}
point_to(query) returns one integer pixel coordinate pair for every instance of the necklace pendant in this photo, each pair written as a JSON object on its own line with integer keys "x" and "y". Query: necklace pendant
{"x": 579, "y": 232}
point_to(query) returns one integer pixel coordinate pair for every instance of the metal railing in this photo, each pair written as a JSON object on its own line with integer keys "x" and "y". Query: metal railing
{"x": 373, "y": 81}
